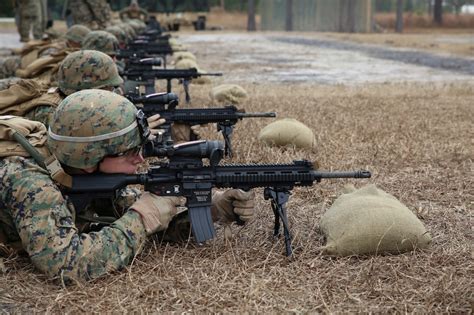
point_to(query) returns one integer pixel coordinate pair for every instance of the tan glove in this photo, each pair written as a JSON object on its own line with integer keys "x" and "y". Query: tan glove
{"x": 233, "y": 203}
{"x": 182, "y": 132}
{"x": 153, "y": 123}
{"x": 156, "y": 211}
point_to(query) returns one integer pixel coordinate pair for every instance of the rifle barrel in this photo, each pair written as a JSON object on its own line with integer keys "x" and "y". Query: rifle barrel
{"x": 266, "y": 114}
{"x": 356, "y": 174}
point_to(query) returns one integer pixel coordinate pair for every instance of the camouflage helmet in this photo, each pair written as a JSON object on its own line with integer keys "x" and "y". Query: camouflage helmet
{"x": 77, "y": 33}
{"x": 129, "y": 30}
{"x": 118, "y": 33}
{"x": 102, "y": 41}
{"x": 87, "y": 69}
{"x": 138, "y": 25}
{"x": 91, "y": 124}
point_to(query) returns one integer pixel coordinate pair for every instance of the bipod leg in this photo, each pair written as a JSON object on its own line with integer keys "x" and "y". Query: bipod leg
{"x": 226, "y": 133}
{"x": 279, "y": 200}
{"x": 186, "y": 90}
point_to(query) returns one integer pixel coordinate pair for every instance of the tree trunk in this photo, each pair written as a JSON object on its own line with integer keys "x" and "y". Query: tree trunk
{"x": 399, "y": 23}
{"x": 289, "y": 15}
{"x": 251, "y": 25}
{"x": 223, "y": 5}
{"x": 438, "y": 12}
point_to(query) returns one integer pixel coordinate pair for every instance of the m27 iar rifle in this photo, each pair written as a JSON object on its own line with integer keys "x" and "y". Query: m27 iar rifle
{"x": 185, "y": 174}
{"x": 148, "y": 77}
{"x": 165, "y": 105}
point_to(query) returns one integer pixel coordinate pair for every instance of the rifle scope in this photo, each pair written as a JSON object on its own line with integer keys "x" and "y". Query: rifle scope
{"x": 212, "y": 150}
{"x": 155, "y": 98}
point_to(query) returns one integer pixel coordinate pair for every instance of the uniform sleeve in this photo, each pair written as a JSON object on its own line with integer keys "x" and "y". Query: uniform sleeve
{"x": 46, "y": 227}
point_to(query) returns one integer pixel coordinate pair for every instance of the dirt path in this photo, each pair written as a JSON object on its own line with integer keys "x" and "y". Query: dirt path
{"x": 279, "y": 57}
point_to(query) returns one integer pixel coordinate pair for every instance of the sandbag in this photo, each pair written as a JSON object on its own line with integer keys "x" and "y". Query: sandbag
{"x": 228, "y": 93}
{"x": 371, "y": 221}
{"x": 186, "y": 64}
{"x": 177, "y": 56}
{"x": 288, "y": 132}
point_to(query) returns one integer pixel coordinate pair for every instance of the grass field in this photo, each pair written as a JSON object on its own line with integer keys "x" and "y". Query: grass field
{"x": 416, "y": 139}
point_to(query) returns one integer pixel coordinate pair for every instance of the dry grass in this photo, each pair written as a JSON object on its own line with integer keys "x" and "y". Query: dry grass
{"x": 411, "y": 20}
{"x": 417, "y": 141}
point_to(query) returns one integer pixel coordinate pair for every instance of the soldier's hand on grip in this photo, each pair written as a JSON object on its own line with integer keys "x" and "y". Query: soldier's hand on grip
{"x": 233, "y": 203}
{"x": 156, "y": 212}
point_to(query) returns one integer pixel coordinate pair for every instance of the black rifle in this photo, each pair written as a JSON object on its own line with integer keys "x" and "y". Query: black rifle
{"x": 151, "y": 37}
{"x": 225, "y": 118}
{"x": 149, "y": 47}
{"x": 186, "y": 175}
{"x": 144, "y": 64}
{"x": 148, "y": 77}
{"x": 145, "y": 53}
{"x": 155, "y": 101}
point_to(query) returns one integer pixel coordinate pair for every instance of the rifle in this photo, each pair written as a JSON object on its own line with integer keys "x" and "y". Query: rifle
{"x": 145, "y": 53}
{"x": 186, "y": 175}
{"x": 148, "y": 77}
{"x": 150, "y": 36}
{"x": 144, "y": 64}
{"x": 225, "y": 117}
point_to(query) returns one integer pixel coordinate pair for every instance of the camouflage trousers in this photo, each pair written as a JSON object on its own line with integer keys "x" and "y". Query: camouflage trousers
{"x": 94, "y": 14}
{"x": 30, "y": 16}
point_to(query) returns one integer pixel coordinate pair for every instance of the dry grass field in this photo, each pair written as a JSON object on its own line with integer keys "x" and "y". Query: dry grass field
{"x": 415, "y": 138}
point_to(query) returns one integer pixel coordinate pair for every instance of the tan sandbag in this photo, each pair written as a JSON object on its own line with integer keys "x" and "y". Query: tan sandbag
{"x": 186, "y": 64}
{"x": 177, "y": 56}
{"x": 371, "y": 221}
{"x": 228, "y": 93}
{"x": 288, "y": 132}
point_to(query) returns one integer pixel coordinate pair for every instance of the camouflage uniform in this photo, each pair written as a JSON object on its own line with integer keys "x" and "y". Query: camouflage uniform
{"x": 8, "y": 66}
{"x": 83, "y": 69}
{"x": 94, "y": 14}
{"x": 30, "y": 16}
{"x": 34, "y": 211}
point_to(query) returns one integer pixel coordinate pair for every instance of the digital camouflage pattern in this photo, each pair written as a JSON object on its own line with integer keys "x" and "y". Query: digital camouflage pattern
{"x": 138, "y": 25}
{"x": 34, "y": 211}
{"x": 106, "y": 112}
{"x": 30, "y": 17}
{"x": 129, "y": 30}
{"x": 8, "y": 66}
{"x": 43, "y": 113}
{"x": 95, "y": 14}
{"x": 118, "y": 33}
{"x": 87, "y": 69}
{"x": 102, "y": 41}
{"x": 77, "y": 33}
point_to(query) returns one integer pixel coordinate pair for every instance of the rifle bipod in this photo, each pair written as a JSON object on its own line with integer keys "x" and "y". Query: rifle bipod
{"x": 279, "y": 198}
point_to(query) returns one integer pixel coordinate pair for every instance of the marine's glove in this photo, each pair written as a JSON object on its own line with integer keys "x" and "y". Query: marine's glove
{"x": 156, "y": 211}
{"x": 184, "y": 133}
{"x": 231, "y": 204}
{"x": 153, "y": 123}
